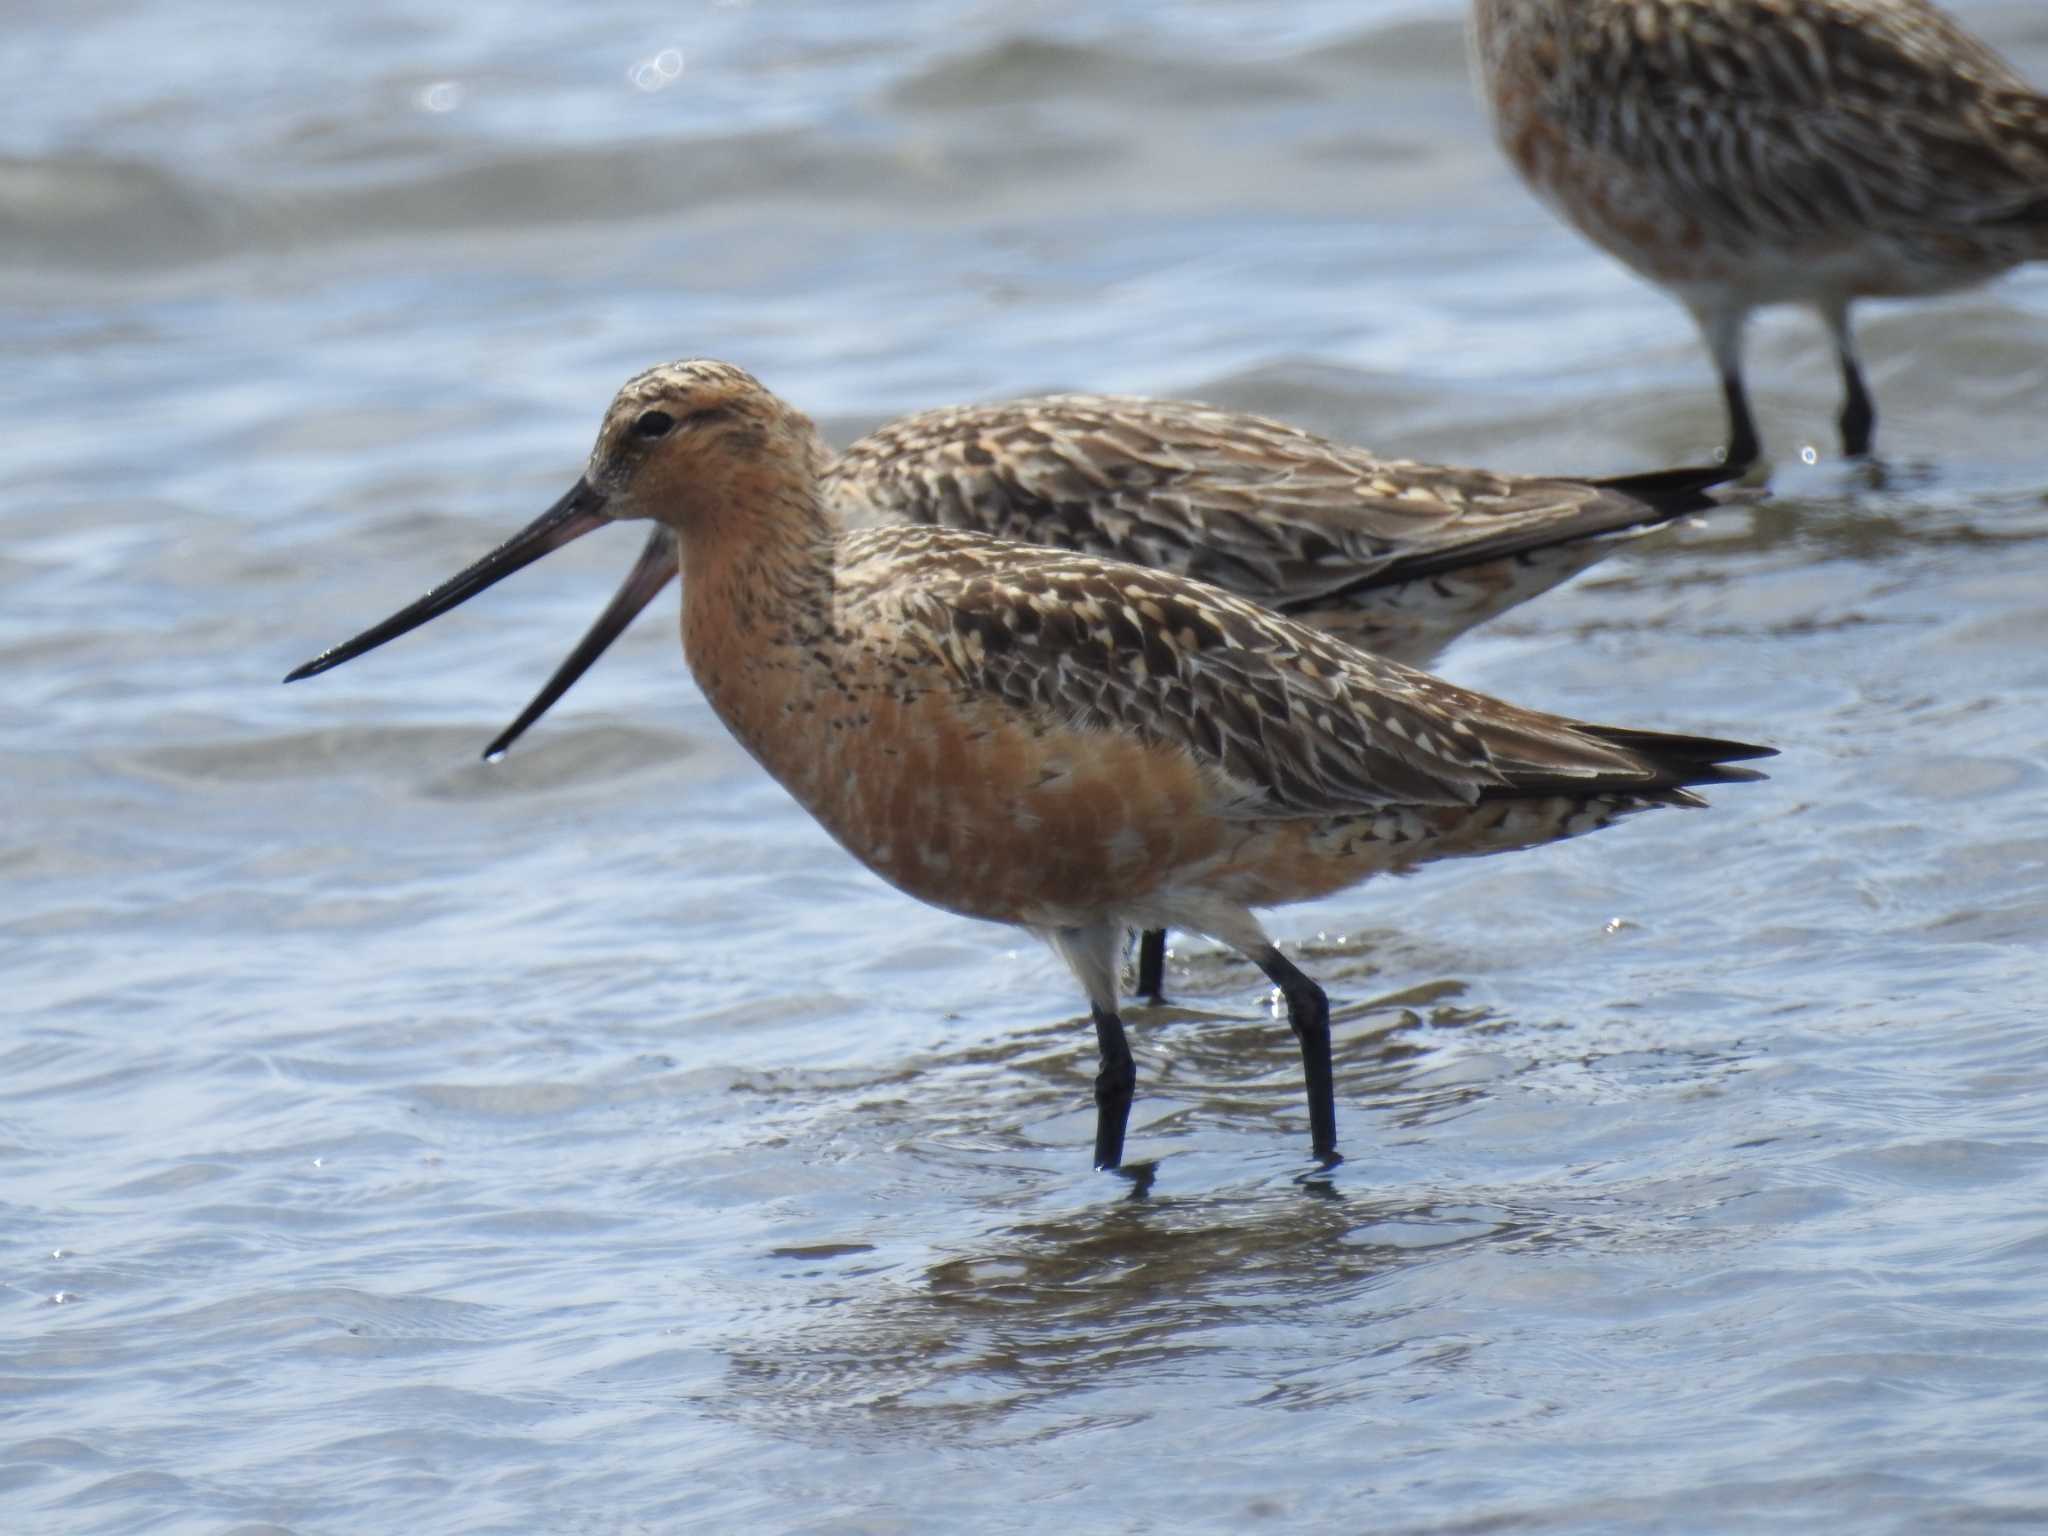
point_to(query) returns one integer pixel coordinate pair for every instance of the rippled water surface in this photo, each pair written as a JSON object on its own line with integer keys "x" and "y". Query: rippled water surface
{"x": 395, "y": 1142}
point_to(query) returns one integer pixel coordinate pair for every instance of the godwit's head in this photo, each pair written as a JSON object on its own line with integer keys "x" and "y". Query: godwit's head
{"x": 689, "y": 445}
{"x": 683, "y": 442}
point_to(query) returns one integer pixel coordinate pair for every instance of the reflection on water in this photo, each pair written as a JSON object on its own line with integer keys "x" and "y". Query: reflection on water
{"x": 395, "y": 1141}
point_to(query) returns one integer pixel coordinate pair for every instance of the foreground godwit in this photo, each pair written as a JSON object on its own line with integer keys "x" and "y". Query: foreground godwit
{"x": 1075, "y": 745}
{"x": 1749, "y": 152}
{"x": 1396, "y": 556}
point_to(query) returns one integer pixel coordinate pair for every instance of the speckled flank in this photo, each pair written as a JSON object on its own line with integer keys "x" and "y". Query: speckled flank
{"x": 1069, "y": 743}
{"x": 1751, "y": 152}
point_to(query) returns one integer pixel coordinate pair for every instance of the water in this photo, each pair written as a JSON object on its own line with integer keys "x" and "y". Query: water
{"x": 390, "y": 1141}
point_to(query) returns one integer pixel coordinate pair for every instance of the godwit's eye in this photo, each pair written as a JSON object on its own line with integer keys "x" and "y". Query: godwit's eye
{"x": 654, "y": 424}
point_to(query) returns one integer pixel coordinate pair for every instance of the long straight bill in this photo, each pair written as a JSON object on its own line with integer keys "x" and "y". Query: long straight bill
{"x": 655, "y": 568}
{"x": 570, "y": 518}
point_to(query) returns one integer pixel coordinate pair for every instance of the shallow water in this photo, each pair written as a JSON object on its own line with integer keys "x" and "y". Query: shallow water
{"x": 391, "y": 1141}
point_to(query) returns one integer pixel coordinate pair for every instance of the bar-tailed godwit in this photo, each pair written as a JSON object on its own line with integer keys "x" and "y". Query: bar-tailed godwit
{"x": 1396, "y": 556}
{"x": 1074, "y": 745}
{"x": 1742, "y": 153}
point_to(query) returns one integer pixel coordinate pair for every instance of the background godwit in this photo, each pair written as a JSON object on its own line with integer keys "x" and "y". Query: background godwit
{"x": 1742, "y": 153}
{"x": 1396, "y": 556}
{"x": 1074, "y": 745}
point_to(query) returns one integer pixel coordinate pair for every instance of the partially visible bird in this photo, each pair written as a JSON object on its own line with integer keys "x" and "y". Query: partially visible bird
{"x": 1068, "y": 743}
{"x": 1396, "y": 556}
{"x": 1742, "y": 153}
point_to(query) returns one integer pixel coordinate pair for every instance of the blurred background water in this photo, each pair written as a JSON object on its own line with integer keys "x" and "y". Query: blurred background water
{"x": 391, "y": 1141}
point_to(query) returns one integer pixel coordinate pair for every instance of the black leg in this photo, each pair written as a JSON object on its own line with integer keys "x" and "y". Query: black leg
{"x": 1743, "y": 444}
{"x": 1115, "y": 1085}
{"x": 1152, "y": 965}
{"x": 1859, "y": 412}
{"x": 1308, "y": 1015}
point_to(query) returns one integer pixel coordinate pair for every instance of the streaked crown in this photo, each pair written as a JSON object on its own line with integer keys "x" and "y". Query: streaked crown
{"x": 698, "y": 417}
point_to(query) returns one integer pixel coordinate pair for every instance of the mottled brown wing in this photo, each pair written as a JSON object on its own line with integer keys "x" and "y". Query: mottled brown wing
{"x": 1294, "y": 722}
{"x": 1793, "y": 119}
{"x": 1266, "y": 510}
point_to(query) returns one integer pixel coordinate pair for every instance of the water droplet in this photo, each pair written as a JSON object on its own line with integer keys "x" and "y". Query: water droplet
{"x": 442, "y": 96}
{"x": 658, "y": 71}
{"x": 1809, "y": 454}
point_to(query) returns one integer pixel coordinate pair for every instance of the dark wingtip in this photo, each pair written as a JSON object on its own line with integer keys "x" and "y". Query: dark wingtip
{"x": 1653, "y": 498}
{"x": 1675, "y": 492}
{"x": 1720, "y": 773}
{"x": 1690, "y": 759}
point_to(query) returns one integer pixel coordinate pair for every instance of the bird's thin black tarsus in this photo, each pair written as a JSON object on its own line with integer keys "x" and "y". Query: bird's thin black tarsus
{"x": 1115, "y": 1086}
{"x": 1859, "y": 411}
{"x": 1152, "y": 966}
{"x": 1743, "y": 443}
{"x": 1308, "y": 1015}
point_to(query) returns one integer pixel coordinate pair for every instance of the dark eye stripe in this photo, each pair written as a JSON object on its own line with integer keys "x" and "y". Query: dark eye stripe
{"x": 654, "y": 424}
